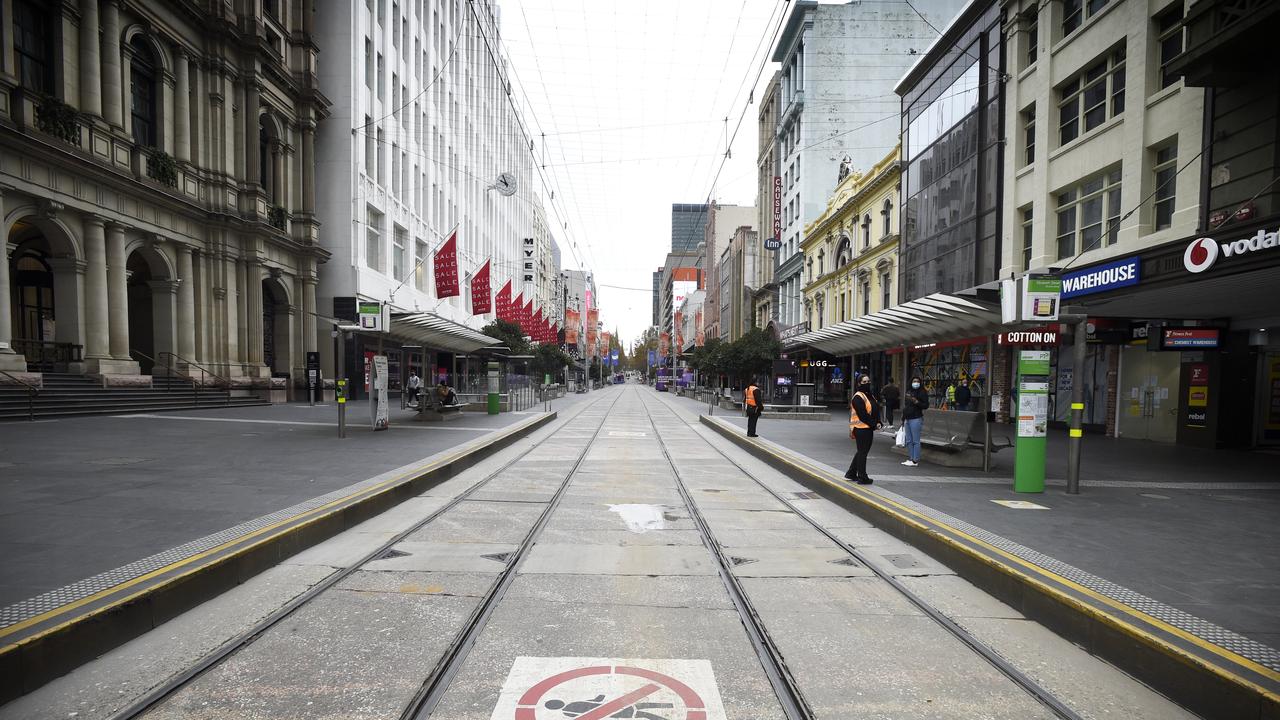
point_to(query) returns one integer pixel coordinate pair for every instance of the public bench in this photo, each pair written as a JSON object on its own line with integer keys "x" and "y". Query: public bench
{"x": 955, "y": 438}
{"x": 435, "y": 412}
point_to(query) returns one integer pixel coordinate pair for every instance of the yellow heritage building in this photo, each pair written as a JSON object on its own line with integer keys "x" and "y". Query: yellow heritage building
{"x": 851, "y": 249}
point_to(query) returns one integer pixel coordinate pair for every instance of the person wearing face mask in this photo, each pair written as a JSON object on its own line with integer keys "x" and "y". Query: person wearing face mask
{"x": 864, "y": 420}
{"x": 914, "y": 403}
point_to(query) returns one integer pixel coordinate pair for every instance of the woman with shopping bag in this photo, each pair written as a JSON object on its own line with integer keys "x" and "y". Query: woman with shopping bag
{"x": 864, "y": 420}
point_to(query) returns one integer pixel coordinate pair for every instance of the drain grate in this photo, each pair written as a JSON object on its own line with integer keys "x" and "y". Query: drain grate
{"x": 392, "y": 553}
{"x": 741, "y": 561}
{"x": 498, "y": 557}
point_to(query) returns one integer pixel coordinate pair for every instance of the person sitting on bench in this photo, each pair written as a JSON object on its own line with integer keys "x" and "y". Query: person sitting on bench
{"x": 445, "y": 396}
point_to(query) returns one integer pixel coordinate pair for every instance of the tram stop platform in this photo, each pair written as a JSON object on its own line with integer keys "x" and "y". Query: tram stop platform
{"x": 93, "y": 507}
{"x": 1191, "y": 532}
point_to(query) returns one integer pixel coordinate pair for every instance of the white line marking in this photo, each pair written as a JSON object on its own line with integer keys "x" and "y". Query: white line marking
{"x": 397, "y": 426}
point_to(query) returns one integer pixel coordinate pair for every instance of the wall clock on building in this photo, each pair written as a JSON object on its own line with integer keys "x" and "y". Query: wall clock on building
{"x": 505, "y": 184}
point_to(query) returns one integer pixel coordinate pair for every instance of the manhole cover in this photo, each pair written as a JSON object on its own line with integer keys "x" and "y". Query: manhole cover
{"x": 904, "y": 562}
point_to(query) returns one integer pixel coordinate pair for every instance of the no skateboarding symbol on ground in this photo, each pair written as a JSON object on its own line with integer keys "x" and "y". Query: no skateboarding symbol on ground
{"x": 600, "y": 688}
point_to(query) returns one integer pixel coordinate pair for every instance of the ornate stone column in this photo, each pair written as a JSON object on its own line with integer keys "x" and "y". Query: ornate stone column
{"x": 308, "y": 168}
{"x": 253, "y": 308}
{"x": 250, "y": 116}
{"x": 182, "y": 106}
{"x": 96, "y": 303}
{"x": 232, "y": 312}
{"x": 90, "y": 68}
{"x": 9, "y": 360}
{"x": 241, "y": 299}
{"x": 117, "y": 292}
{"x": 186, "y": 321}
{"x": 112, "y": 87}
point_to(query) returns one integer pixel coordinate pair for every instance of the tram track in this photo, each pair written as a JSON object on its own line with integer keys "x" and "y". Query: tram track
{"x": 434, "y": 685}
{"x": 772, "y": 657}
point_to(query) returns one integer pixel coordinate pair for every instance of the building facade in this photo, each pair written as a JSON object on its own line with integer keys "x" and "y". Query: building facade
{"x": 827, "y": 110}
{"x": 722, "y": 222}
{"x": 158, "y": 189}
{"x": 688, "y": 221}
{"x": 431, "y": 138}
{"x": 764, "y": 297}
{"x": 851, "y": 250}
{"x": 738, "y": 267}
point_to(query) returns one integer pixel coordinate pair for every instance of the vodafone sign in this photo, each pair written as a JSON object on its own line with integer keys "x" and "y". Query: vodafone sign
{"x": 1202, "y": 253}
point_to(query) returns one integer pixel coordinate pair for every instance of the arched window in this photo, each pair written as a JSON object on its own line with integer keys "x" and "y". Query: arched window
{"x": 844, "y": 254}
{"x": 887, "y": 212}
{"x": 143, "y": 73}
{"x": 866, "y": 231}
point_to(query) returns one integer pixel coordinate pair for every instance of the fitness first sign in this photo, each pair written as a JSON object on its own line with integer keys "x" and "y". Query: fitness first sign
{"x": 1203, "y": 253}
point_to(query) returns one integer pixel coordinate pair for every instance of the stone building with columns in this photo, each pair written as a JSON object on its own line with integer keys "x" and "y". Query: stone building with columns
{"x": 156, "y": 188}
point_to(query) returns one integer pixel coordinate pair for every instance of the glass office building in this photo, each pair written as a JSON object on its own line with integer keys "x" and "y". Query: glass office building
{"x": 951, "y": 118}
{"x": 688, "y": 225}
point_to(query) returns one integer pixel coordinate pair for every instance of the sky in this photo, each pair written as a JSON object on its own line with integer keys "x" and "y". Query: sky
{"x": 632, "y": 99}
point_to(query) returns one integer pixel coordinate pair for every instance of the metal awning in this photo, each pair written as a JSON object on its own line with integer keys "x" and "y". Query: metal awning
{"x": 935, "y": 318}
{"x": 436, "y": 332}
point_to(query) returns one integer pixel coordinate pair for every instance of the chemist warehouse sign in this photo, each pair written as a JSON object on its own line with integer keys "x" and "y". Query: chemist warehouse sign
{"x": 1101, "y": 278}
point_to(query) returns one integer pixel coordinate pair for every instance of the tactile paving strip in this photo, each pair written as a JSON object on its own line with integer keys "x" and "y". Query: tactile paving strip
{"x": 55, "y": 599}
{"x": 1220, "y": 636}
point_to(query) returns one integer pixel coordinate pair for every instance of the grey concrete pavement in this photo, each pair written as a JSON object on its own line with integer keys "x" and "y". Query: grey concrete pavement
{"x": 1194, "y": 529}
{"x": 81, "y": 496}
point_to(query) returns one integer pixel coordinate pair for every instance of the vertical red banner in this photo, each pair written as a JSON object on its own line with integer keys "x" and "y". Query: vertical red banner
{"x": 571, "y": 326}
{"x": 445, "y": 264}
{"x": 517, "y": 309}
{"x": 480, "y": 304}
{"x": 503, "y": 302}
{"x": 526, "y": 317}
{"x": 537, "y": 333}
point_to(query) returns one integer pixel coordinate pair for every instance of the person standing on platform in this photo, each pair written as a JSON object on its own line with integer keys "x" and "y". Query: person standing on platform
{"x": 754, "y": 405}
{"x": 915, "y": 402}
{"x": 864, "y": 420}
{"x": 963, "y": 395}
{"x": 415, "y": 386}
{"x": 891, "y": 396}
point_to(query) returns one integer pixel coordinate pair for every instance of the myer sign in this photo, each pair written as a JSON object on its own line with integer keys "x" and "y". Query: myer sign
{"x": 1202, "y": 253}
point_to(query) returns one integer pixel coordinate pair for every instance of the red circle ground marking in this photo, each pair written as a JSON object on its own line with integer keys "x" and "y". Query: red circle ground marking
{"x": 527, "y": 705}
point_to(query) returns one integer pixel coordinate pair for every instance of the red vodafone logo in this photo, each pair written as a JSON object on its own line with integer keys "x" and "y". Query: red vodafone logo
{"x": 1200, "y": 255}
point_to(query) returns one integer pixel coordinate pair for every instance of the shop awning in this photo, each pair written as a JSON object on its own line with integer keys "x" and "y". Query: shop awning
{"x": 438, "y": 333}
{"x": 935, "y": 318}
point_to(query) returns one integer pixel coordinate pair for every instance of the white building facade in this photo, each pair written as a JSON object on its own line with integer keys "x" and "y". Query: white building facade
{"x": 421, "y": 129}
{"x": 840, "y": 64}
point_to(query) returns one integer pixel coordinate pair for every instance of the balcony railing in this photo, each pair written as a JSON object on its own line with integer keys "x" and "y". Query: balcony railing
{"x": 278, "y": 218}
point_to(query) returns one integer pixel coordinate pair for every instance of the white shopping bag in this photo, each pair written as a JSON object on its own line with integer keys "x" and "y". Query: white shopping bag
{"x": 900, "y": 438}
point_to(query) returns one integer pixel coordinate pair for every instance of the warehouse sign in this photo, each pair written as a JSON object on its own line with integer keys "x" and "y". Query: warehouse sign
{"x": 1101, "y": 278}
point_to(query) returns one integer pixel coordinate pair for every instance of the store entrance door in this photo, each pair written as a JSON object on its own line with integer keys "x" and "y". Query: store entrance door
{"x": 1149, "y": 383}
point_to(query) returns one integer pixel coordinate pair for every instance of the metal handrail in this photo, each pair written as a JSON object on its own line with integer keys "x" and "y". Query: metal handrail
{"x": 32, "y": 392}
{"x": 222, "y": 381}
{"x": 195, "y": 387}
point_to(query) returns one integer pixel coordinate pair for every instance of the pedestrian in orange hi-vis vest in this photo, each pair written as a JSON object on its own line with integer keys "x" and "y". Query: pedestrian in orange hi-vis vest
{"x": 753, "y": 403}
{"x": 864, "y": 420}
